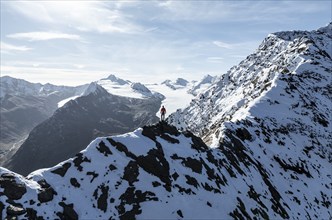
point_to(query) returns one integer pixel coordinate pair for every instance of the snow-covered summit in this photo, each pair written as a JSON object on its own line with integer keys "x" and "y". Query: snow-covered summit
{"x": 281, "y": 69}
{"x": 203, "y": 84}
{"x": 179, "y": 83}
{"x": 93, "y": 88}
{"x": 117, "y": 80}
{"x": 326, "y": 30}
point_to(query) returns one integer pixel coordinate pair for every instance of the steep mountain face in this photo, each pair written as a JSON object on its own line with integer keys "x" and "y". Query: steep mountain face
{"x": 23, "y": 106}
{"x": 75, "y": 125}
{"x": 157, "y": 172}
{"x": 202, "y": 85}
{"x": 270, "y": 117}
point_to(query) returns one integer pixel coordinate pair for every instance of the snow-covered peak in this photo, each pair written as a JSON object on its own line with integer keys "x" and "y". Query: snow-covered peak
{"x": 179, "y": 83}
{"x": 267, "y": 71}
{"x": 203, "y": 84}
{"x": 116, "y": 80}
{"x": 207, "y": 79}
{"x": 140, "y": 87}
{"x": 94, "y": 88}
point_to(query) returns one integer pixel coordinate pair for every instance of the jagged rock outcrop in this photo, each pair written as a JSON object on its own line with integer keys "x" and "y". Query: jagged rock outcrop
{"x": 117, "y": 177}
{"x": 158, "y": 172}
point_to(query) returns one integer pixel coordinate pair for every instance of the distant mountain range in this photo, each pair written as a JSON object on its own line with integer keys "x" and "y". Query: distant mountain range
{"x": 25, "y": 105}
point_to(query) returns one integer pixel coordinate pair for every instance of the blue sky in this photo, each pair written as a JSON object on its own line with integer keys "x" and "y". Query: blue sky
{"x": 76, "y": 42}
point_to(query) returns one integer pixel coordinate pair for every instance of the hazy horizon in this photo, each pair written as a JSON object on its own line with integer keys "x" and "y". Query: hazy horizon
{"x": 76, "y": 42}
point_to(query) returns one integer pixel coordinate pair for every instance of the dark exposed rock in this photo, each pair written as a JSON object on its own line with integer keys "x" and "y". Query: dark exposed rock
{"x": 112, "y": 167}
{"x": 298, "y": 168}
{"x": 191, "y": 181}
{"x": 122, "y": 148}
{"x": 255, "y": 196}
{"x": 194, "y": 164}
{"x": 181, "y": 189}
{"x": 133, "y": 197}
{"x": 8, "y": 176}
{"x": 15, "y": 210}
{"x": 102, "y": 198}
{"x": 93, "y": 174}
{"x": 240, "y": 212}
{"x": 161, "y": 130}
{"x": 131, "y": 172}
{"x": 156, "y": 184}
{"x": 74, "y": 182}
{"x": 198, "y": 143}
{"x": 32, "y": 214}
{"x": 156, "y": 164}
{"x": 175, "y": 176}
{"x": 102, "y": 148}
{"x": 68, "y": 212}
{"x": 62, "y": 170}
{"x": 43, "y": 184}
{"x": 46, "y": 195}
{"x": 12, "y": 189}
{"x": 78, "y": 160}
{"x": 243, "y": 134}
{"x": 1, "y": 210}
{"x": 179, "y": 212}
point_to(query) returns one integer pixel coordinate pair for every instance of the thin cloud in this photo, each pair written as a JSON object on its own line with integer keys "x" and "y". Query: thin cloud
{"x": 223, "y": 44}
{"x": 5, "y": 47}
{"x": 91, "y": 16}
{"x": 42, "y": 36}
{"x": 236, "y": 11}
{"x": 215, "y": 59}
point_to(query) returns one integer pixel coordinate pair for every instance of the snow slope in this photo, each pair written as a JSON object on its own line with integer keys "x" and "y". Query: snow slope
{"x": 179, "y": 93}
{"x": 154, "y": 172}
{"x": 157, "y": 172}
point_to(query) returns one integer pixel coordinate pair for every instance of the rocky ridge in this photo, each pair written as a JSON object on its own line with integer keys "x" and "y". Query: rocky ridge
{"x": 158, "y": 172}
{"x": 272, "y": 112}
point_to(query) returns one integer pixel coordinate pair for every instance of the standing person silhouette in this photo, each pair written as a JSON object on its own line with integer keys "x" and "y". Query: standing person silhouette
{"x": 162, "y": 113}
